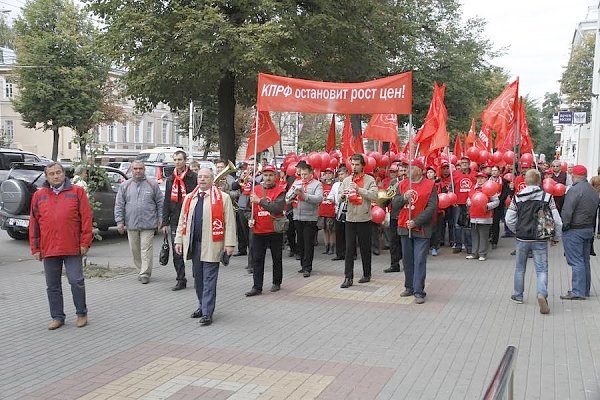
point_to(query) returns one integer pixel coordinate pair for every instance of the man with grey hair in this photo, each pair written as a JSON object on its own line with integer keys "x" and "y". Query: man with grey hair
{"x": 578, "y": 215}
{"x": 139, "y": 207}
{"x": 520, "y": 218}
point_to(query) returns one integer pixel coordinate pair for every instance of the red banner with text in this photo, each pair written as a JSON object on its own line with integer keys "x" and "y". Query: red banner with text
{"x": 391, "y": 95}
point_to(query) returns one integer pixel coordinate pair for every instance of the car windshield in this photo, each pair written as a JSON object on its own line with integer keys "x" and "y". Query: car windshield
{"x": 151, "y": 171}
{"x": 32, "y": 176}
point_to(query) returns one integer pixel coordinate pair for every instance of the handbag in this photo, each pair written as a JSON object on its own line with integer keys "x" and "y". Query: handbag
{"x": 280, "y": 224}
{"x": 165, "y": 249}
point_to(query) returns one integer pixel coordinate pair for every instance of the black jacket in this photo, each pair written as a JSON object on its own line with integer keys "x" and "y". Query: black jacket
{"x": 172, "y": 209}
{"x": 580, "y": 206}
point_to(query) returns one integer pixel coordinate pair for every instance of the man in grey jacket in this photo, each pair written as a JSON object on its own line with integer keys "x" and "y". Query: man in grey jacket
{"x": 138, "y": 207}
{"x": 305, "y": 196}
{"x": 518, "y": 220}
{"x": 578, "y": 216}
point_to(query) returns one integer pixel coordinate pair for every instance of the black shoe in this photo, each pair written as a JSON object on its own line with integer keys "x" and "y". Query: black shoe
{"x": 205, "y": 321}
{"x": 179, "y": 286}
{"x": 513, "y": 253}
{"x": 301, "y": 270}
{"x": 571, "y": 296}
{"x": 326, "y": 250}
{"x": 196, "y": 314}
{"x": 456, "y": 250}
{"x": 391, "y": 269}
{"x": 275, "y": 288}
{"x": 376, "y": 252}
{"x": 337, "y": 258}
{"x": 240, "y": 253}
{"x": 306, "y": 274}
{"x": 407, "y": 293}
{"x": 364, "y": 279}
{"x": 253, "y": 292}
{"x": 346, "y": 284}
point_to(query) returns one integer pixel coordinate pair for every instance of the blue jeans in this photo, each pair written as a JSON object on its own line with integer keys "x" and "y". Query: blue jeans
{"x": 53, "y": 271}
{"x": 414, "y": 261}
{"x": 205, "y": 282}
{"x": 540, "y": 260}
{"x": 577, "y": 244}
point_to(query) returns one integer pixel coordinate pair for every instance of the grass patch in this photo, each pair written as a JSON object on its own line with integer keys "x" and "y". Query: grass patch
{"x": 101, "y": 271}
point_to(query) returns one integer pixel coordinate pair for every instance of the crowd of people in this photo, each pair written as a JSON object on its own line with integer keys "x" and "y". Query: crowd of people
{"x": 258, "y": 208}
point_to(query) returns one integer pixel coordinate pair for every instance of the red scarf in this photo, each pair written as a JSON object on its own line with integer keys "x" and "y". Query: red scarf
{"x": 217, "y": 213}
{"x": 299, "y": 197}
{"x": 354, "y": 197}
{"x": 178, "y": 184}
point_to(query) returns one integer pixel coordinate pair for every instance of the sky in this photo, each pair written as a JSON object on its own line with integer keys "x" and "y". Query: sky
{"x": 538, "y": 35}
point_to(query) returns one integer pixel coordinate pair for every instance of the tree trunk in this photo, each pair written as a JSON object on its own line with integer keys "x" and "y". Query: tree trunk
{"x": 82, "y": 151}
{"x": 55, "y": 144}
{"x": 226, "y": 115}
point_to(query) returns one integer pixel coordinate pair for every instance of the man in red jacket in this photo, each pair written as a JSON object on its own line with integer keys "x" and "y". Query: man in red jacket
{"x": 60, "y": 232}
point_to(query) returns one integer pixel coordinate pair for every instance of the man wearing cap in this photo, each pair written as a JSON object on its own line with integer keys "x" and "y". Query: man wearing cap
{"x": 418, "y": 203}
{"x": 268, "y": 200}
{"x": 395, "y": 244}
{"x": 327, "y": 212}
{"x": 559, "y": 177}
{"x": 464, "y": 180}
{"x": 578, "y": 215}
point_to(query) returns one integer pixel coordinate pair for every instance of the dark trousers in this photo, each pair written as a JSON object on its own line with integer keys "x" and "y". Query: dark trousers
{"x": 340, "y": 239}
{"x": 395, "y": 245}
{"x": 448, "y": 220}
{"x": 436, "y": 232}
{"x": 495, "y": 228}
{"x": 53, "y": 272}
{"x": 291, "y": 233}
{"x": 260, "y": 244}
{"x": 414, "y": 260}
{"x": 178, "y": 260}
{"x": 362, "y": 231}
{"x": 205, "y": 282}
{"x": 241, "y": 224}
{"x": 375, "y": 236}
{"x": 462, "y": 234}
{"x": 305, "y": 246}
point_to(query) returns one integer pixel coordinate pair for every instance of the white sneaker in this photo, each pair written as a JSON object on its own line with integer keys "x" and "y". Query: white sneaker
{"x": 470, "y": 257}
{"x": 482, "y": 258}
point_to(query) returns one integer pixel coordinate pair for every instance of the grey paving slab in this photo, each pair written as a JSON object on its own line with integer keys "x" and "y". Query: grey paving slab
{"x": 447, "y": 348}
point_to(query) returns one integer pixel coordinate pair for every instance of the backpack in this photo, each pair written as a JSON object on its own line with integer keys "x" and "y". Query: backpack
{"x": 535, "y": 218}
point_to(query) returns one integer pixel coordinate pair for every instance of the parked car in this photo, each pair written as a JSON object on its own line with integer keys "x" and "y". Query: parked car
{"x": 25, "y": 178}
{"x": 156, "y": 171}
{"x": 10, "y": 156}
{"x": 121, "y": 166}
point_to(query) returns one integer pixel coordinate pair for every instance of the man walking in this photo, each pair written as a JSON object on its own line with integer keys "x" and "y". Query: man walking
{"x": 521, "y": 219}
{"x": 578, "y": 216}
{"x": 206, "y": 231}
{"x": 359, "y": 190}
{"x": 60, "y": 232}
{"x": 418, "y": 202}
{"x": 178, "y": 185}
{"x": 464, "y": 180}
{"x": 138, "y": 207}
{"x": 269, "y": 201}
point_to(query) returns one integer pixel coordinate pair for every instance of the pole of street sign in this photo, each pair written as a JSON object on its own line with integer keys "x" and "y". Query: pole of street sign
{"x": 191, "y": 133}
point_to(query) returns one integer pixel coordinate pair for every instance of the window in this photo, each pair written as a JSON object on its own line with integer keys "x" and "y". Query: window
{"x": 9, "y": 130}
{"x": 111, "y": 133}
{"x": 125, "y": 133}
{"x": 150, "y": 133}
{"x": 8, "y": 89}
{"x": 138, "y": 132}
{"x": 165, "y": 132}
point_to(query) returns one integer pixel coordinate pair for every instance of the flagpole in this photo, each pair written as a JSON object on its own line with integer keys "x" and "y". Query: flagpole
{"x": 255, "y": 161}
{"x": 410, "y": 156}
{"x": 450, "y": 167}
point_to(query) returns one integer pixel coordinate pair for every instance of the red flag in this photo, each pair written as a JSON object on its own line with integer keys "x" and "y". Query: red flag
{"x": 267, "y": 134}
{"x": 383, "y": 127}
{"x": 346, "y": 143}
{"x": 458, "y": 150}
{"x": 433, "y": 134}
{"x": 357, "y": 143}
{"x": 484, "y": 140}
{"x": 331, "y": 136}
{"x": 526, "y": 142}
{"x": 471, "y": 138}
{"x": 500, "y": 113}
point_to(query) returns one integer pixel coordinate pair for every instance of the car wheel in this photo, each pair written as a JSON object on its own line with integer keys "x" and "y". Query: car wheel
{"x": 17, "y": 235}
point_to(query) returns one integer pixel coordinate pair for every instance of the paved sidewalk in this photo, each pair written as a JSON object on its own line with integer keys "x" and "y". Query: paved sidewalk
{"x": 311, "y": 340}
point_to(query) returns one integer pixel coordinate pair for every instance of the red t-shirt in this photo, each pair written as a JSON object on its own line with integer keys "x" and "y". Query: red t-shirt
{"x": 463, "y": 183}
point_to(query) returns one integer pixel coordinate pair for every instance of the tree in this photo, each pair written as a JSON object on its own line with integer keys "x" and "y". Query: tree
{"x": 7, "y": 33}
{"x": 62, "y": 81}
{"x": 576, "y": 81}
{"x": 548, "y": 139}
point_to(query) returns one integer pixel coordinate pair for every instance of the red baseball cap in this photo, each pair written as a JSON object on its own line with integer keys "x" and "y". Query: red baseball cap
{"x": 579, "y": 170}
{"x": 481, "y": 175}
{"x": 418, "y": 163}
{"x": 269, "y": 168}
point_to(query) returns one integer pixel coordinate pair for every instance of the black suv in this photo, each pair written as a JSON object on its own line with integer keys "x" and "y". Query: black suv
{"x": 25, "y": 178}
{"x": 10, "y": 156}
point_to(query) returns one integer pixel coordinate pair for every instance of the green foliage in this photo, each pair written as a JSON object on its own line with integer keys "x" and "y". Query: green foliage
{"x": 63, "y": 74}
{"x": 7, "y": 33}
{"x": 548, "y": 141}
{"x": 576, "y": 82}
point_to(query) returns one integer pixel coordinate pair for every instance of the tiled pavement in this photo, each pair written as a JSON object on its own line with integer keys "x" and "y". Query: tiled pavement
{"x": 310, "y": 340}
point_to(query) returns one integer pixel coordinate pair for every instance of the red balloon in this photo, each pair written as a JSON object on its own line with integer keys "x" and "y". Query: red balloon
{"x": 325, "y": 158}
{"x": 371, "y": 164}
{"x": 496, "y": 157}
{"x": 443, "y": 201}
{"x": 474, "y": 166}
{"x": 509, "y": 157}
{"x": 479, "y": 200}
{"x": 291, "y": 169}
{"x": 484, "y": 156}
{"x": 376, "y": 155}
{"x": 559, "y": 190}
{"x": 453, "y": 159}
{"x": 548, "y": 185}
{"x": 377, "y": 214}
{"x": 333, "y": 163}
{"x": 490, "y": 188}
{"x": 548, "y": 181}
{"x": 385, "y": 161}
{"x": 527, "y": 158}
{"x": 473, "y": 153}
{"x": 453, "y": 198}
{"x": 314, "y": 159}
{"x": 563, "y": 166}
{"x": 508, "y": 177}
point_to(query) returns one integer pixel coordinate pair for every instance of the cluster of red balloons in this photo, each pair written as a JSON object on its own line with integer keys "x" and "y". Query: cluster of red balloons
{"x": 555, "y": 189}
{"x": 446, "y": 200}
{"x": 499, "y": 158}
